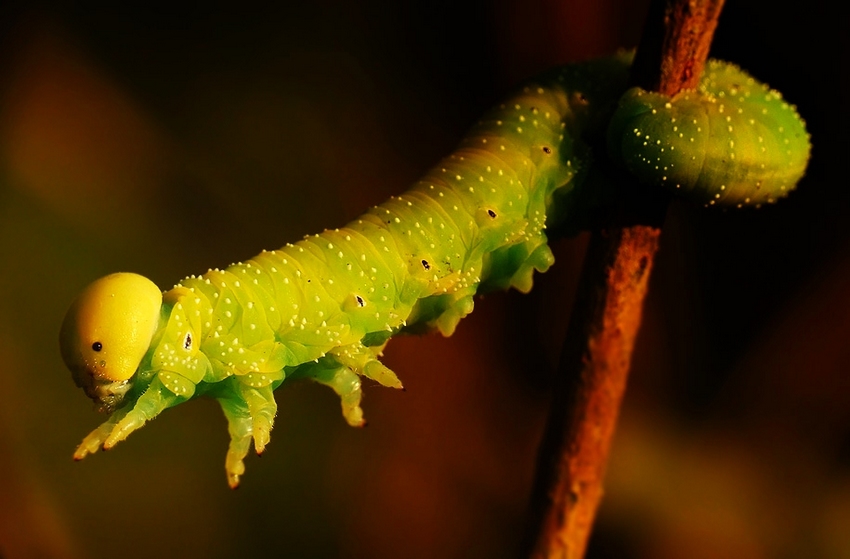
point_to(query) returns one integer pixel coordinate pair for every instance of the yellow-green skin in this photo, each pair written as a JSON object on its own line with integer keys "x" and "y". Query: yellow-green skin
{"x": 324, "y": 308}
{"x": 732, "y": 142}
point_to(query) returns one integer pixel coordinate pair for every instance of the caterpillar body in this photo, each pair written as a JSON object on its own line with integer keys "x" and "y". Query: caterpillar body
{"x": 324, "y": 307}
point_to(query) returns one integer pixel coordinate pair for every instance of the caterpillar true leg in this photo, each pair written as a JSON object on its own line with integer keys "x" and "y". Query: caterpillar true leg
{"x": 250, "y": 413}
{"x": 153, "y": 402}
{"x": 240, "y": 426}
{"x": 364, "y": 361}
{"x": 345, "y": 383}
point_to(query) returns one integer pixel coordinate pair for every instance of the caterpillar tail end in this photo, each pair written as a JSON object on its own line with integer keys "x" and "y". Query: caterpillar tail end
{"x": 733, "y": 142}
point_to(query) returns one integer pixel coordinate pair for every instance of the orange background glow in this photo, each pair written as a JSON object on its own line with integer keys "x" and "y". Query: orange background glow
{"x": 166, "y": 143}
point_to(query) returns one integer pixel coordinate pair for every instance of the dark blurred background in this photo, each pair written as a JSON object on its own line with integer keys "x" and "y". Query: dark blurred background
{"x": 169, "y": 141}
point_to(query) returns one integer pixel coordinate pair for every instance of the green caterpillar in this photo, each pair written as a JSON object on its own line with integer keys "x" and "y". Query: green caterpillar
{"x": 325, "y": 307}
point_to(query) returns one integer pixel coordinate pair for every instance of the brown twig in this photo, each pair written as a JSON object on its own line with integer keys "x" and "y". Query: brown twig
{"x": 598, "y": 347}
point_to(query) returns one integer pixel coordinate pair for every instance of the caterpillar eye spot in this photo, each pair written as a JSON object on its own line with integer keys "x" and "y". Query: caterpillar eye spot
{"x": 547, "y": 150}
{"x": 360, "y": 301}
{"x": 187, "y": 342}
{"x": 97, "y": 346}
{"x": 426, "y": 265}
{"x": 491, "y": 213}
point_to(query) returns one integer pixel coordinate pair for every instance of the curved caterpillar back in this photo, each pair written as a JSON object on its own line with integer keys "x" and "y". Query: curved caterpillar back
{"x": 324, "y": 308}
{"x": 733, "y": 142}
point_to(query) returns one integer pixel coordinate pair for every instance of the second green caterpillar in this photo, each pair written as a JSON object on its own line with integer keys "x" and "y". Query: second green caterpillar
{"x": 324, "y": 307}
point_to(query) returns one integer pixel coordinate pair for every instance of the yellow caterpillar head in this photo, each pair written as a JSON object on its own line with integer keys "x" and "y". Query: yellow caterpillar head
{"x": 107, "y": 332}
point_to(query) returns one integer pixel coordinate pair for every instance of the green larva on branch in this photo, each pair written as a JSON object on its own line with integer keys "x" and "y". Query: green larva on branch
{"x": 324, "y": 307}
